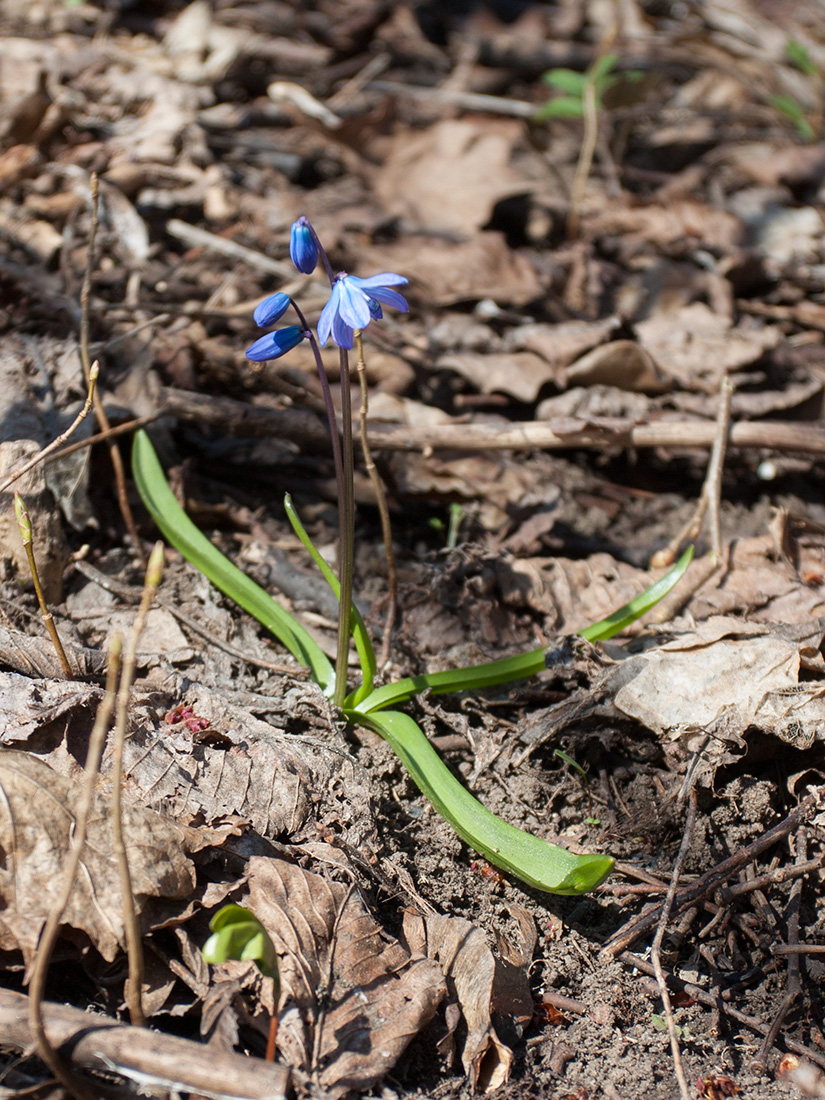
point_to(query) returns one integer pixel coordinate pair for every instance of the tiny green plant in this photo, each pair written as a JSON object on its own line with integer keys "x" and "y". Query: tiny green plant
{"x": 573, "y": 87}
{"x": 799, "y": 58}
{"x": 238, "y": 934}
{"x": 352, "y": 305}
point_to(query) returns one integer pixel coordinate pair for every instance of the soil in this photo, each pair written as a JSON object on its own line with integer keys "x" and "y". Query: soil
{"x": 691, "y": 244}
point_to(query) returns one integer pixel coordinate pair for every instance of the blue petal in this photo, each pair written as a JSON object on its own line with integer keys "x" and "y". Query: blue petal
{"x": 386, "y": 278}
{"x": 275, "y": 344}
{"x": 353, "y": 307}
{"x": 328, "y": 314}
{"x": 271, "y": 309}
{"x": 389, "y": 298}
{"x": 342, "y": 333}
{"x": 303, "y": 249}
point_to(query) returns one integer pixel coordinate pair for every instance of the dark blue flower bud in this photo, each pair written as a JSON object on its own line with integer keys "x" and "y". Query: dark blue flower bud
{"x": 271, "y": 309}
{"x": 302, "y": 247}
{"x": 275, "y": 344}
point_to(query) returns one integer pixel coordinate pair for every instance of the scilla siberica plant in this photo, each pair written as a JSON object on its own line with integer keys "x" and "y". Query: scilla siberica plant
{"x": 354, "y": 303}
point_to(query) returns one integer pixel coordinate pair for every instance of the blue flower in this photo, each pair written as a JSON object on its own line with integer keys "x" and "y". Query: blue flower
{"x": 271, "y": 309}
{"x": 355, "y": 302}
{"x": 275, "y": 344}
{"x": 303, "y": 248}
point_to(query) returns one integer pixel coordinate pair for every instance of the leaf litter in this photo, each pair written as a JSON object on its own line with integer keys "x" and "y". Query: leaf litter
{"x": 699, "y": 257}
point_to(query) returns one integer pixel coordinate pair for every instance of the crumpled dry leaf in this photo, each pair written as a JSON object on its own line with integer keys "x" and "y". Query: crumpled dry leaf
{"x": 725, "y": 677}
{"x": 36, "y": 820}
{"x": 479, "y": 982}
{"x": 697, "y": 347}
{"x": 26, "y": 705}
{"x": 451, "y": 175}
{"x": 483, "y": 267}
{"x": 520, "y": 374}
{"x": 351, "y": 1000}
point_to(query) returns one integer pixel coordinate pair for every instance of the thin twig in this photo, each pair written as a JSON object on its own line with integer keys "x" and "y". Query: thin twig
{"x": 656, "y": 949}
{"x": 130, "y": 921}
{"x": 75, "y": 424}
{"x": 590, "y": 107}
{"x": 100, "y": 412}
{"x": 130, "y": 592}
{"x": 792, "y": 985}
{"x": 713, "y": 878}
{"x": 711, "y": 497}
{"x": 383, "y": 511}
{"x": 53, "y": 1059}
{"x": 25, "y": 524}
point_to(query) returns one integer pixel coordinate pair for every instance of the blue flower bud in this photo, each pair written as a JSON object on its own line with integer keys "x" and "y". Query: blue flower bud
{"x": 302, "y": 246}
{"x": 271, "y": 309}
{"x": 275, "y": 344}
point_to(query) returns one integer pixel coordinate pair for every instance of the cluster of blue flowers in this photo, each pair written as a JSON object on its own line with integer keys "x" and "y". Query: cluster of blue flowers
{"x": 352, "y": 304}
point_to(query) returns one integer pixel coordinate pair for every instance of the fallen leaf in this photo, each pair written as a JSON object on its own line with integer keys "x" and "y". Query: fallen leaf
{"x": 37, "y": 816}
{"x": 351, "y": 999}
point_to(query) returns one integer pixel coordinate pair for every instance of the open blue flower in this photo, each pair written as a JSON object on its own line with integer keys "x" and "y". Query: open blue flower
{"x": 303, "y": 248}
{"x": 355, "y": 302}
{"x": 275, "y": 344}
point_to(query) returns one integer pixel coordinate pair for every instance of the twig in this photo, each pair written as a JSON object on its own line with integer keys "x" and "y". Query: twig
{"x": 53, "y": 1059}
{"x": 25, "y": 524}
{"x": 656, "y": 950}
{"x": 792, "y": 985}
{"x": 702, "y": 997}
{"x": 75, "y": 424}
{"x": 772, "y": 878}
{"x": 383, "y": 511}
{"x": 711, "y": 879}
{"x": 109, "y": 433}
{"x": 202, "y": 238}
{"x": 144, "y": 1056}
{"x": 130, "y": 922}
{"x": 710, "y": 497}
{"x": 97, "y": 401}
{"x": 129, "y": 592}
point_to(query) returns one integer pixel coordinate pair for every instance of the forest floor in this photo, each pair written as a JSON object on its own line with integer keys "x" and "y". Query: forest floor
{"x": 598, "y": 291}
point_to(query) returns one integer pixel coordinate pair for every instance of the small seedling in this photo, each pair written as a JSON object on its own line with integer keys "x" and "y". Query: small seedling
{"x": 574, "y": 87}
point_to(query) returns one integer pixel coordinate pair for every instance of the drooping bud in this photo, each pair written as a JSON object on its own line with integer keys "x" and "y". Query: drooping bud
{"x": 303, "y": 248}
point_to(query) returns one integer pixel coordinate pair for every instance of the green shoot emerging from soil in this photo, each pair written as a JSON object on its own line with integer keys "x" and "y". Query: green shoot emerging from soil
{"x": 353, "y": 304}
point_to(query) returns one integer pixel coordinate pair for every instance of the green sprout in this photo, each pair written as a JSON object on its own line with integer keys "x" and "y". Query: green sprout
{"x": 799, "y": 58}
{"x": 574, "y": 87}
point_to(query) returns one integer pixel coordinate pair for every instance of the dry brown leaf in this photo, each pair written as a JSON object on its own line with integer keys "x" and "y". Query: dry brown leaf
{"x": 37, "y": 815}
{"x": 661, "y": 226}
{"x": 470, "y": 968}
{"x": 725, "y": 677}
{"x": 697, "y": 347}
{"x": 520, "y": 374}
{"x": 449, "y": 177}
{"x": 26, "y": 705}
{"x": 623, "y": 364}
{"x": 351, "y": 999}
{"x": 483, "y": 267}
{"x": 563, "y": 343}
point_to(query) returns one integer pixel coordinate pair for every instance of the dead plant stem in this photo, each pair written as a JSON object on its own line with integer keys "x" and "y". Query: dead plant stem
{"x": 133, "y": 941}
{"x": 53, "y": 1059}
{"x": 100, "y": 412}
{"x": 24, "y": 523}
{"x": 656, "y": 950}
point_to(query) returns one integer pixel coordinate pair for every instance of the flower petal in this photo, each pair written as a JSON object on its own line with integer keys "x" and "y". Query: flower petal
{"x": 389, "y": 298}
{"x": 342, "y": 333}
{"x": 353, "y": 307}
{"x": 328, "y": 315}
{"x": 386, "y": 278}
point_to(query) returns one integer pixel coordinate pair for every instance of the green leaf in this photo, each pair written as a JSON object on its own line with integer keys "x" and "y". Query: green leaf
{"x": 566, "y": 80}
{"x": 561, "y": 107}
{"x": 363, "y": 644}
{"x": 238, "y": 934}
{"x": 540, "y": 864}
{"x": 792, "y": 110}
{"x": 601, "y": 68}
{"x": 181, "y": 532}
{"x": 800, "y": 58}
{"x": 615, "y": 623}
